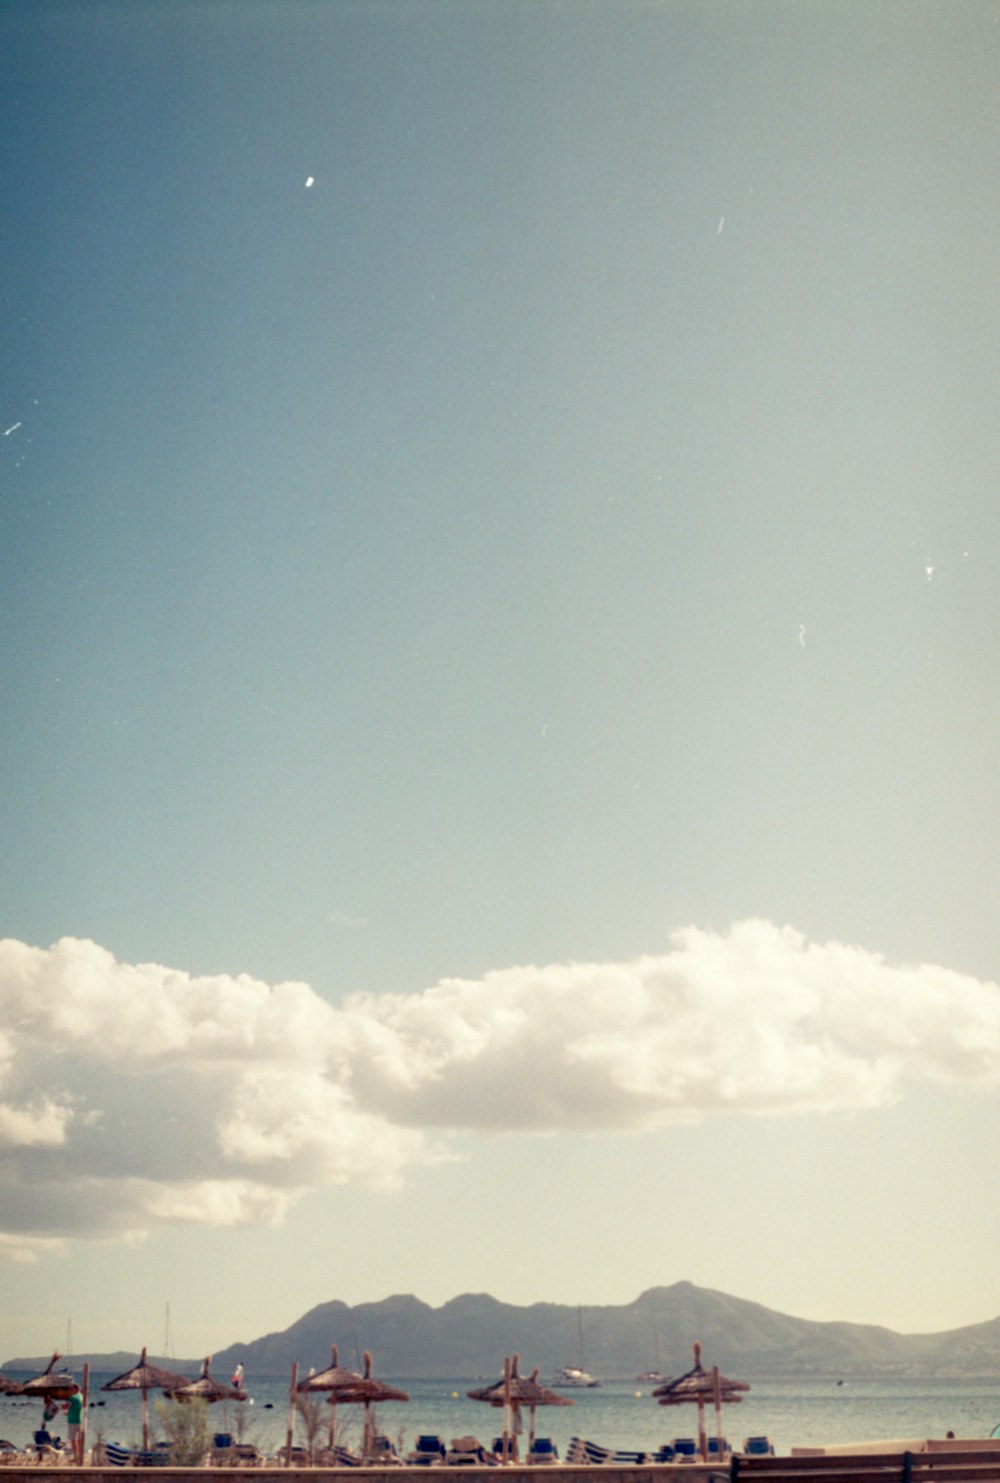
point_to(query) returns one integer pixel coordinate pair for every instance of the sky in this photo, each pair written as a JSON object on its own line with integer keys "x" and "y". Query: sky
{"x": 499, "y": 541}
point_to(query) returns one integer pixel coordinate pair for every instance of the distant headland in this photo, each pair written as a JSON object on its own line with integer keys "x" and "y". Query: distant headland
{"x": 469, "y": 1334}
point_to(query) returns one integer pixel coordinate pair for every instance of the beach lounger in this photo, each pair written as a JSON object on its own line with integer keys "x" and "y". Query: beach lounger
{"x": 758, "y": 1447}
{"x": 583, "y": 1453}
{"x": 223, "y": 1454}
{"x": 686, "y": 1449}
{"x": 428, "y": 1451}
{"x": 382, "y": 1451}
{"x": 591, "y": 1454}
{"x": 299, "y": 1457}
{"x": 468, "y": 1452}
{"x": 664, "y": 1454}
{"x": 544, "y": 1450}
{"x": 45, "y": 1448}
{"x": 339, "y": 1457}
{"x": 115, "y": 1455}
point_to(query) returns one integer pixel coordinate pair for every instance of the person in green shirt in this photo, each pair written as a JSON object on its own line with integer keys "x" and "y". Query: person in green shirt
{"x": 74, "y": 1421}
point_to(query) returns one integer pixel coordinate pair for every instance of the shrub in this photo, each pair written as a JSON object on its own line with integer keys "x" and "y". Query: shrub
{"x": 185, "y": 1427}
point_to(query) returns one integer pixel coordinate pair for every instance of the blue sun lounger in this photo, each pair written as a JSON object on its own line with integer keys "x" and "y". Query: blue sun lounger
{"x": 758, "y": 1447}
{"x": 428, "y": 1451}
{"x": 543, "y": 1451}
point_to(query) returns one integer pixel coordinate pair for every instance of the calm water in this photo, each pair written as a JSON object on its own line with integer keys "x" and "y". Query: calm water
{"x": 619, "y": 1414}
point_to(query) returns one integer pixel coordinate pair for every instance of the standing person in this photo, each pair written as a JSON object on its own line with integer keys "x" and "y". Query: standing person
{"x": 74, "y": 1421}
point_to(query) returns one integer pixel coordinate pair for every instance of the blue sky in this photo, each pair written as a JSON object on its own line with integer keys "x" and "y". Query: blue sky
{"x": 563, "y": 533}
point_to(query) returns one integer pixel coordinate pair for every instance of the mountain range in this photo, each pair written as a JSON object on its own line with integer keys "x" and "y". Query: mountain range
{"x": 469, "y": 1335}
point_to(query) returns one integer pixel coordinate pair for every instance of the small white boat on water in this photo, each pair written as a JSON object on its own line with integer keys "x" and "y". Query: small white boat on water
{"x": 572, "y": 1378}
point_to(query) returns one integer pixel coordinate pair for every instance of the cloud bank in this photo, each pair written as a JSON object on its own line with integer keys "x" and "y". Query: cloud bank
{"x": 134, "y": 1096}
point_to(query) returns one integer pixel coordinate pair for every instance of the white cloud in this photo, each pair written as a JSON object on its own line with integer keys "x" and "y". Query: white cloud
{"x": 30, "y": 1248}
{"x": 755, "y": 1020}
{"x": 133, "y": 1096}
{"x": 38, "y": 1123}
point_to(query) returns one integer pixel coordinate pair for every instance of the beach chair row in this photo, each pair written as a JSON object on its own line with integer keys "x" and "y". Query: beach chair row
{"x": 582, "y": 1453}
{"x": 43, "y": 1448}
{"x": 429, "y": 1450}
{"x": 682, "y": 1449}
{"x": 232, "y": 1454}
{"x": 227, "y": 1453}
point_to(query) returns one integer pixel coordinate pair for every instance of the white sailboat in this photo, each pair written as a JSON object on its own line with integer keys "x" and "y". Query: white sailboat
{"x": 574, "y": 1377}
{"x": 571, "y": 1377}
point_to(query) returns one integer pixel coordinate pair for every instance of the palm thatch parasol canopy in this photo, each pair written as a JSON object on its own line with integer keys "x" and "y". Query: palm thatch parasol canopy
{"x": 335, "y": 1378}
{"x": 520, "y": 1389}
{"x": 514, "y": 1391}
{"x": 9, "y": 1386}
{"x": 207, "y": 1388}
{"x": 701, "y": 1385}
{"x": 52, "y": 1384}
{"x": 367, "y": 1391}
{"x": 145, "y": 1377}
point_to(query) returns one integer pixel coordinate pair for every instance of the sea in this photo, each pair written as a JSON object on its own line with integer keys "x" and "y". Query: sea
{"x": 792, "y": 1412}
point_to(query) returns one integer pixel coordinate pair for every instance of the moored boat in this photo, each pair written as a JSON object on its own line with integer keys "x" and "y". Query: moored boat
{"x": 570, "y": 1377}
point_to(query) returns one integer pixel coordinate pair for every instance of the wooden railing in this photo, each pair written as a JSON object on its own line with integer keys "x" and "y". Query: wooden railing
{"x": 958, "y": 1465}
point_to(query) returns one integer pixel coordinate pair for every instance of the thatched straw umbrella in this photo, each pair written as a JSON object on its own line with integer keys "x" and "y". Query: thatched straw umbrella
{"x": 9, "y": 1386}
{"x": 145, "y": 1377}
{"x": 51, "y": 1384}
{"x": 701, "y": 1385}
{"x": 514, "y": 1391}
{"x": 500, "y": 1395}
{"x": 207, "y": 1388}
{"x": 335, "y": 1378}
{"x": 368, "y": 1391}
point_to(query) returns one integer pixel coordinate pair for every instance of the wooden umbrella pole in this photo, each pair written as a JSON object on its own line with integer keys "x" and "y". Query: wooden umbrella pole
{"x": 291, "y": 1414}
{"x": 702, "y": 1437}
{"x": 717, "y": 1395}
{"x": 506, "y": 1410}
{"x": 83, "y": 1416}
